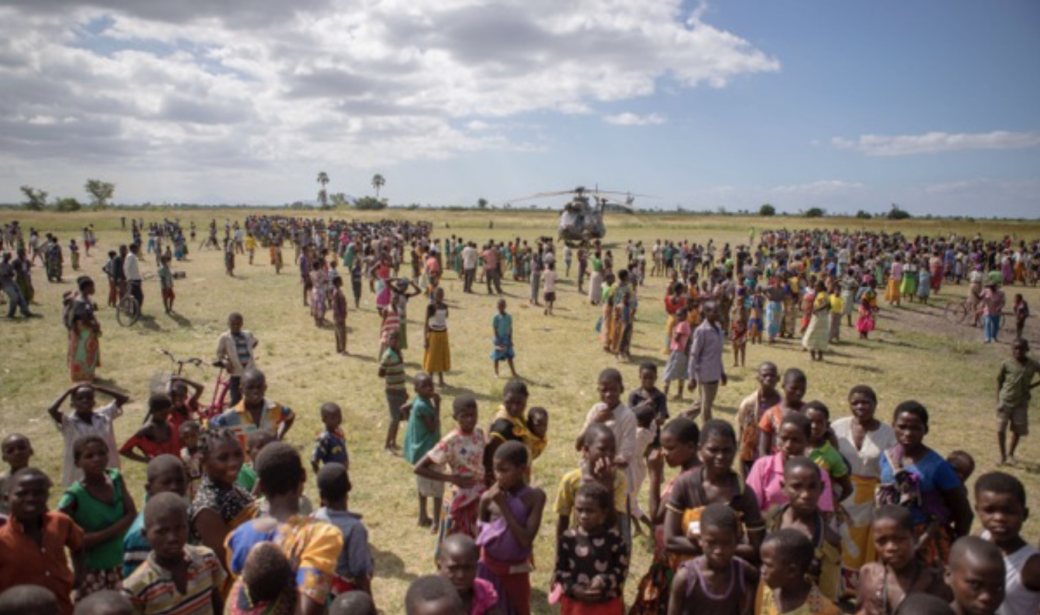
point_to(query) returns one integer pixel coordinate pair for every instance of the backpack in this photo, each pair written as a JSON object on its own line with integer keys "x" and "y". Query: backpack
{"x": 68, "y": 302}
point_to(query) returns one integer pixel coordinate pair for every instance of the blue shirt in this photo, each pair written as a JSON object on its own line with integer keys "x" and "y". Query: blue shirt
{"x": 355, "y": 562}
{"x": 936, "y": 476}
{"x": 331, "y": 447}
{"x": 135, "y": 546}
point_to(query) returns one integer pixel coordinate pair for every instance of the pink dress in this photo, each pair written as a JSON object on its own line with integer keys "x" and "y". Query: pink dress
{"x": 765, "y": 478}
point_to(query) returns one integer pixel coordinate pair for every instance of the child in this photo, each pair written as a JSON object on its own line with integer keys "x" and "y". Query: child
{"x": 391, "y": 370}
{"x": 648, "y": 395}
{"x": 29, "y": 600}
{"x": 355, "y": 283}
{"x": 314, "y": 545}
{"x": 592, "y": 559}
{"x": 678, "y": 358}
{"x": 432, "y": 595}
{"x": 34, "y": 540}
{"x": 751, "y": 411}
{"x": 599, "y": 450}
{"x": 739, "y": 334}
{"x": 220, "y": 505}
{"x": 1021, "y": 311}
{"x": 510, "y": 515}
{"x": 757, "y": 304}
{"x": 84, "y": 420}
{"x": 795, "y": 385}
{"x": 74, "y": 253}
{"x": 184, "y": 408}
{"x": 645, "y": 436}
{"x": 718, "y": 582}
{"x": 255, "y": 411}
{"x": 885, "y": 584}
{"x": 437, "y": 356}
{"x": 462, "y": 450}
{"x": 353, "y": 603}
{"x": 823, "y": 453}
{"x": 458, "y": 563}
{"x": 176, "y": 577}
{"x": 101, "y": 505}
{"x": 250, "y": 246}
{"x": 549, "y": 291}
{"x": 424, "y": 430}
{"x": 166, "y": 284}
{"x": 157, "y": 436}
{"x": 191, "y": 455}
{"x": 331, "y": 445}
{"x": 502, "y": 332}
{"x": 267, "y": 585}
{"x": 1000, "y": 502}
{"x": 803, "y": 486}
{"x": 165, "y": 474}
{"x": 1014, "y": 383}
{"x": 963, "y": 464}
{"x": 235, "y": 350}
{"x": 785, "y": 588}
{"x": 339, "y": 315}
{"x": 113, "y": 268}
{"x": 766, "y": 478}
{"x": 354, "y": 566}
{"x": 17, "y": 450}
{"x": 537, "y": 436}
{"x": 976, "y": 576}
{"x": 229, "y": 258}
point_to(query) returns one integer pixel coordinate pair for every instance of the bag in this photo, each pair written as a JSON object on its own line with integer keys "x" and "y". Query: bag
{"x": 904, "y": 490}
{"x": 68, "y": 302}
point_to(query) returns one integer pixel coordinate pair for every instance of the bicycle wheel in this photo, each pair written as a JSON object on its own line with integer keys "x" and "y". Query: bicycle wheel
{"x": 956, "y": 312}
{"x": 128, "y": 311}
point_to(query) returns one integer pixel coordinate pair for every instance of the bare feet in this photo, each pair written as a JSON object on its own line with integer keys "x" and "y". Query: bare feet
{"x": 425, "y": 522}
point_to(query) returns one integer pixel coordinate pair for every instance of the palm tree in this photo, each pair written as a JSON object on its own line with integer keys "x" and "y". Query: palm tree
{"x": 378, "y": 181}
{"x": 323, "y": 178}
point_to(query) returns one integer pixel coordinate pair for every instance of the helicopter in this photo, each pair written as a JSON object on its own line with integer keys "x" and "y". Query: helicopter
{"x": 581, "y": 220}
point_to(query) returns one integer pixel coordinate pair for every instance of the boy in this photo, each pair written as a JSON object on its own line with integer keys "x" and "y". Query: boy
{"x": 28, "y": 600}
{"x": 751, "y": 411}
{"x": 165, "y": 474}
{"x": 597, "y": 464}
{"x": 235, "y": 351}
{"x": 1000, "y": 502}
{"x": 432, "y": 595}
{"x": 85, "y": 420}
{"x": 649, "y": 395}
{"x": 166, "y": 284}
{"x": 339, "y": 315}
{"x": 354, "y": 566}
{"x": 315, "y": 545}
{"x": 191, "y": 455}
{"x": 113, "y": 268}
{"x": 424, "y": 430}
{"x": 34, "y": 540}
{"x": 255, "y": 442}
{"x": 1014, "y": 383}
{"x": 330, "y": 445}
{"x": 17, "y": 449}
{"x": 976, "y": 576}
{"x": 104, "y": 602}
{"x": 255, "y": 411}
{"x": 175, "y": 577}
{"x": 785, "y": 589}
{"x": 391, "y": 370}
{"x": 354, "y": 603}
{"x": 549, "y": 284}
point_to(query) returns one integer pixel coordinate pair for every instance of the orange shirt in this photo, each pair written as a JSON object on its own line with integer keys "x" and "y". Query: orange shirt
{"x": 23, "y": 561}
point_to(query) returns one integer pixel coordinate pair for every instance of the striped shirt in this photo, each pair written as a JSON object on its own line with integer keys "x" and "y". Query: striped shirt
{"x": 393, "y": 368}
{"x": 152, "y": 591}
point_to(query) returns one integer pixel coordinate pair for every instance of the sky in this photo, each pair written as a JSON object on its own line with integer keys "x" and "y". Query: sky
{"x": 933, "y": 105}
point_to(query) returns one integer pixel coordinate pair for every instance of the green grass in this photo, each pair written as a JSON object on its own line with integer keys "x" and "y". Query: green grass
{"x": 930, "y": 361}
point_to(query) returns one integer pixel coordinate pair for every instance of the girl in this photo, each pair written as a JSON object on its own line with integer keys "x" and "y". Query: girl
{"x": 678, "y": 359}
{"x": 714, "y": 482}
{"x": 895, "y": 278}
{"x": 512, "y": 424}
{"x": 924, "y": 282}
{"x": 510, "y": 514}
{"x": 908, "y": 287}
{"x": 437, "y": 355}
{"x": 674, "y": 300}
{"x": 739, "y": 334}
{"x": 817, "y": 333}
{"x": 794, "y": 386}
{"x": 157, "y": 436}
{"x": 502, "y": 332}
{"x": 718, "y": 582}
{"x": 766, "y": 478}
{"x": 101, "y": 505}
{"x": 754, "y": 325}
{"x": 591, "y": 559}
{"x": 220, "y": 505}
{"x": 774, "y": 310}
{"x": 596, "y": 279}
{"x": 885, "y": 584}
{"x": 318, "y": 280}
{"x": 679, "y": 439}
{"x": 915, "y": 476}
{"x": 84, "y": 332}
{"x": 822, "y": 451}
{"x": 867, "y": 299}
{"x": 401, "y": 296}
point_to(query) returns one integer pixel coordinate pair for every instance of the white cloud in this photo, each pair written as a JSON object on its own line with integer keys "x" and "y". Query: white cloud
{"x": 817, "y": 188}
{"x": 632, "y": 119}
{"x": 934, "y": 142}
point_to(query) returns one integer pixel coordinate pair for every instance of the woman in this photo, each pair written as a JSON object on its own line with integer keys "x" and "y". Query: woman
{"x": 437, "y": 355}
{"x": 895, "y": 277}
{"x": 917, "y": 477}
{"x": 817, "y": 333}
{"x": 774, "y": 310}
{"x": 596, "y": 279}
{"x": 319, "y": 280}
{"x": 862, "y": 440}
{"x": 84, "y": 333}
{"x": 867, "y": 300}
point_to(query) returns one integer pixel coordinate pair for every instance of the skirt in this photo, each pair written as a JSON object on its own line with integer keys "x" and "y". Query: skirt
{"x": 835, "y": 330}
{"x": 437, "y": 358}
{"x": 774, "y": 317}
{"x": 596, "y": 288}
{"x": 502, "y": 351}
{"x": 815, "y": 337}
{"x": 318, "y": 302}
{"x": 676, "y": 369}
{"x": 84, "y": 354}
{"x": 865, "y": 323}
{"x": 570, "y": 606}
{"x": 892, "y": 290}
{"x": 857, "y": 539}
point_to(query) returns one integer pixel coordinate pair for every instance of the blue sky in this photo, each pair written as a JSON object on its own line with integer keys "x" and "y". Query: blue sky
{"x": 934, "y": 105}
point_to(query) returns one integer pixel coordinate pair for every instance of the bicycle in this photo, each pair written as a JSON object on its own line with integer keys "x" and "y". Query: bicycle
{"x": 957, "y": 312}
{"x": 221, "y": 386}
{"x": 128, "y": 310}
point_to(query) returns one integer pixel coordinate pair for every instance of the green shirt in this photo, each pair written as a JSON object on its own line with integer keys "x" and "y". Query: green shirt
{"x": 93, "y": 515}
{"x": 829, "y": 460}
{"x": 1014, "y": 379}
{"x": 393, "y": 370}
{"x": 246, "y": 478}
{"x": 417, "y": 439}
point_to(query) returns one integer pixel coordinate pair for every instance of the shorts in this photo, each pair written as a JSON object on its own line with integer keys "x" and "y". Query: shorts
{"x": 1018, "y": 417}
{"x": 549, "y": 297}
{"x": 167, "y": 293}
{"x": 430, "y": 488}
{"x": 394, "y": 401}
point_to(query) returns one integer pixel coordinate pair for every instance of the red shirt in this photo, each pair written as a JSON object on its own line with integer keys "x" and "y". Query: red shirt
{"x": 23, "y": 561}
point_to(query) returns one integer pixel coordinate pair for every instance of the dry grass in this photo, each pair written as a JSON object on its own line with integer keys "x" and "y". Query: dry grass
{"x": 559, "y": 356}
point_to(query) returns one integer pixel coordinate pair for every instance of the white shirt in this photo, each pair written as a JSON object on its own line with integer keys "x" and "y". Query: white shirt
{"x": 549, "y": 280}
{"x": 624, "y": 426}
{"x": 72, "y": 427}
{"x": 469, "y": 257}
{"x": 130, "y": 268}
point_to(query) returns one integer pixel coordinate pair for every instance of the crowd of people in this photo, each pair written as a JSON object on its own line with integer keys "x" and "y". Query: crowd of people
{"x": 783, "y": 511}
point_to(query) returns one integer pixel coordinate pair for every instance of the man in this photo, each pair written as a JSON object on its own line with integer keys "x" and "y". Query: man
{"x": 15, "y": 299}
{"x": 1014, "y": 383}
{"x": 132, "y": 270}
{"x": 705, "y": 367}
{"x": 491, "y": 272}
{"x": 469, "y": 267}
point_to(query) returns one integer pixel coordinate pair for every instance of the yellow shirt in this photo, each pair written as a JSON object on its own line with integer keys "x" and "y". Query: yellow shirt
{"x": 837, "y": 304}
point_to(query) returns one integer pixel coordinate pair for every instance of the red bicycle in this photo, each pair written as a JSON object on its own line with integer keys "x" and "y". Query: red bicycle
{"x": 221, "y": 385}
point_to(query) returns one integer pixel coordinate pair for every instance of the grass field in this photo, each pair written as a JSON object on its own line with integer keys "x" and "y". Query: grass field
{"x": 914, "y": 355}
